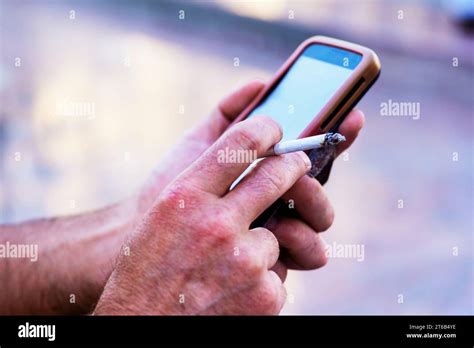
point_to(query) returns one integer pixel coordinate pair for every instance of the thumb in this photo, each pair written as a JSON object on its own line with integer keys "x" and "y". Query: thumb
{"x": 232, "y": 105}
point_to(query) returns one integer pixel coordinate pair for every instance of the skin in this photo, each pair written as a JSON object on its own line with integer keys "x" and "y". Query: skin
{"x": 181, "y": 260}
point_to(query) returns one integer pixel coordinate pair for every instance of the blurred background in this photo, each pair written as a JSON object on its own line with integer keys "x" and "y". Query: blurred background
{"x": 144, "y": 72}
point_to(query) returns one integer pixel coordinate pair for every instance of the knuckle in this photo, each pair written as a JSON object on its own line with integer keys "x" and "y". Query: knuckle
{"x": 246, "y": 138}
{"x": 267, "y": 298}
{"x": 290, "y": 235}
{"x": 265, "y": 121}
{"x": 299, "y": 161}
{"x": 174, "y": 195}
{"x": 248, "y": 264}
{"x": 268, "y": 237}
{"x": 252, "y": 133}
{"x": 272, "y": 179}
{"x": 215, "y": 229}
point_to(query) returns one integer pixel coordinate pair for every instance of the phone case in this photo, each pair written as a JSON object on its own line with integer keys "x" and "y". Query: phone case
{"x": 332, "y": 114}
{"x": 345, "y": 98}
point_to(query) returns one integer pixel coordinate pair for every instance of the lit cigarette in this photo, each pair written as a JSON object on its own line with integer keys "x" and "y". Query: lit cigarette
{"x": 304, "y": 144}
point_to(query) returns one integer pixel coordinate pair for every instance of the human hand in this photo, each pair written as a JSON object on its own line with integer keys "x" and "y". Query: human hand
{"x": 194, "y": 252}
{"x": 298, "y": 237}
{"x": 196, "y": 141}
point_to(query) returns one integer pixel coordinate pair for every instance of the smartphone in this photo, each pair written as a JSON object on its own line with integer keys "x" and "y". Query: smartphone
{"x": 312, "y": 93}
{"x": 316, "y": 87}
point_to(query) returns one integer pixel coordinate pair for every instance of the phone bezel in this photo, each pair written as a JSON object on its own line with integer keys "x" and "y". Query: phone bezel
{"x": 367, "y": 69}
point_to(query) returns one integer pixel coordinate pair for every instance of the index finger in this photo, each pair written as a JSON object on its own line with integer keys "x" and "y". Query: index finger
{"x": 267, "y": 182}
{"x": 232, "y": 153}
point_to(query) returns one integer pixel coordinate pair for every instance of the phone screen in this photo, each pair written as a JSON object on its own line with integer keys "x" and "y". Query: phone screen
{"x": 306, "y": 87}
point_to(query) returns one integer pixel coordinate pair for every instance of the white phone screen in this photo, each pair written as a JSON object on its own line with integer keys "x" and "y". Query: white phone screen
{"x": 307, "y": 86}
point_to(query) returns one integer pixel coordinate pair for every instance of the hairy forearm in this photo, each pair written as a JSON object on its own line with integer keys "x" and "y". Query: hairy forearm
{"x": 75, "y": 256}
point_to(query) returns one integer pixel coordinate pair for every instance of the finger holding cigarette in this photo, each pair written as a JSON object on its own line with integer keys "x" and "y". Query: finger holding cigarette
{"x": 305, "y": 144}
